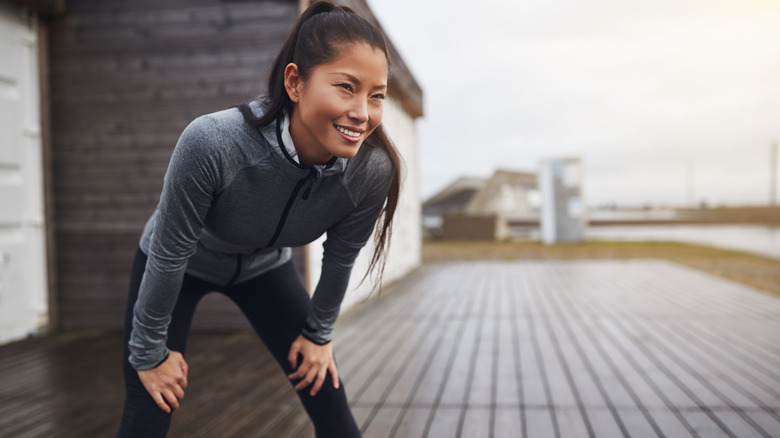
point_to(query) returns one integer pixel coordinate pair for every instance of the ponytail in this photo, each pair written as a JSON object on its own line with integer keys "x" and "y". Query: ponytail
{"x": 384, "y": 230}
{"x": 276, "y": 95}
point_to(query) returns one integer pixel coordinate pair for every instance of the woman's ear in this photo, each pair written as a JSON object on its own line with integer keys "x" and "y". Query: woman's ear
{"x": 292, "y": 81}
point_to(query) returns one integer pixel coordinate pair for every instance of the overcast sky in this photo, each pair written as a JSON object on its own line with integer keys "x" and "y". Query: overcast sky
{"x": 646, "y": 93}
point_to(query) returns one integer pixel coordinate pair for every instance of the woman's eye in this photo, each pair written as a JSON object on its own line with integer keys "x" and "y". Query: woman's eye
{"x": 345, "y": 85}
{"x": 378, "y": 96}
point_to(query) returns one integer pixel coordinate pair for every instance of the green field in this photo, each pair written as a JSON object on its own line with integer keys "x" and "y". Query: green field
{"x": 759, "y": 272}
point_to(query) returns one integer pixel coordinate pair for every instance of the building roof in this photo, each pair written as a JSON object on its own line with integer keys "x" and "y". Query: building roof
{"x": 456, "y": 195}
{"x": 479, "y": 195}
{"x": 505, "y": 192}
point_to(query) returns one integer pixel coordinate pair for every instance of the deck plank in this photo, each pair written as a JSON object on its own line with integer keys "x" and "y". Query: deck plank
{"x": 484, "y": 349}
{"x": 413, "y": 423}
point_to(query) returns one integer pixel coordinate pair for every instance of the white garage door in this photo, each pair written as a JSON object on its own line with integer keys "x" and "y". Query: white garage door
{"x": 23, "y": 296}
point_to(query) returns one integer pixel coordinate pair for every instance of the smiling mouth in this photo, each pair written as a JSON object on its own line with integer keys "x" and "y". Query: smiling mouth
{"x": 348, "y": 132}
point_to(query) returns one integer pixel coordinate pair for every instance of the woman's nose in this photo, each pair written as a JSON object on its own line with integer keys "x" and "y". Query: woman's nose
{"x": 359, "y": 111}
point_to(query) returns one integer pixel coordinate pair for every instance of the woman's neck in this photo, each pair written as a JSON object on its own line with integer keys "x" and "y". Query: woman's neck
{"x": 303, "y": 142}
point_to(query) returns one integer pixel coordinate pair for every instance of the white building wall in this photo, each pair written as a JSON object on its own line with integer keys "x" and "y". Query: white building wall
{"x": 23, "y": 292}
{"x": 406, "y": 245}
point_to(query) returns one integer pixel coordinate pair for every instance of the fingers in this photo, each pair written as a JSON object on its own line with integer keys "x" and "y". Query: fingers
{"x": 185, "y": 369}
{"x": 183, "y": 379}
{"x": 292, "y": 357}
{"x": 158, "y": 399}
{"x": 316, "y": 374}
{"x": 313, "y": 370}
{"x": 178, "y": 392}
{"x": 311, "y": 375}
{"x": 166, "y": 382}
{"x": 334, "y": 373}
{"x": 171, "y": 398}
{"x": 320, "y": 380}
{"x": 168, "y": 398}
{"x": 300, "y": 372}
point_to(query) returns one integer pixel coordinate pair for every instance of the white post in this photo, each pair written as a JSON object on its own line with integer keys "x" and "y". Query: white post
{"x": 773, "y": 185}
{"x": 563, "y": 208}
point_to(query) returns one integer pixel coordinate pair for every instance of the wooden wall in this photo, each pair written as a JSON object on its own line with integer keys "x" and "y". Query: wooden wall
{"x": 125, "y": 78}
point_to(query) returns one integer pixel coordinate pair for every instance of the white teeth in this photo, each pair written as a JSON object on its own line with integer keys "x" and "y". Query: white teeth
{"x": 348, "y": 132}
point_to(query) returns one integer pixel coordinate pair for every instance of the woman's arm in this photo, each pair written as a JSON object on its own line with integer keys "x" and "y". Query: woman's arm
{"x": 188, "y": 190}
{"x": 344, "y": 242}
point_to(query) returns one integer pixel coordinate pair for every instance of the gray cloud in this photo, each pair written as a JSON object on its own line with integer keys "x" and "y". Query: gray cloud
{"x": 640, "y": 92}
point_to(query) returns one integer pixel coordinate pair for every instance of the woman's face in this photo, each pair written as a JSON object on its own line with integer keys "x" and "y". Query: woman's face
{"x": 338, "y": 105}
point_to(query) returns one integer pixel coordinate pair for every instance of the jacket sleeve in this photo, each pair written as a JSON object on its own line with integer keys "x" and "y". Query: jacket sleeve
{"x": 343, "y": 244}
{"x": 190, "y": 183}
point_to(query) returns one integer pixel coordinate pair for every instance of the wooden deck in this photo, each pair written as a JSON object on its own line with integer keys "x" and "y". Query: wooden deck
{"x": 487, "y": 349}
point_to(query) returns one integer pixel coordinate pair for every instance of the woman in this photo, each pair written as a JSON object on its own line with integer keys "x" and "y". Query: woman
{"x": 246, "y": 184}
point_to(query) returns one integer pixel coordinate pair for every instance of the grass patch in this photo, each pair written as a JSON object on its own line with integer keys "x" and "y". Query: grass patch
{"x": 752, "y": 270}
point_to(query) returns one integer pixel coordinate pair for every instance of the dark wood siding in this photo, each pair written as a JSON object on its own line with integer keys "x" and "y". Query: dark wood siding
{"x": 125, "y": 79}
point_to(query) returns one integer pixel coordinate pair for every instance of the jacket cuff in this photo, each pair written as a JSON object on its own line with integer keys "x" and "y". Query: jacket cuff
{"x": 167, "y": 353}
{"x": 318, "y": 337}
{"x": 149, "y": 363}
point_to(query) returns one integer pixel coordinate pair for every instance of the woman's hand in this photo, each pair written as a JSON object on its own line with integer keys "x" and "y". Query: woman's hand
{"x": 167, "y": 381}
{"x": 317, "y": 363}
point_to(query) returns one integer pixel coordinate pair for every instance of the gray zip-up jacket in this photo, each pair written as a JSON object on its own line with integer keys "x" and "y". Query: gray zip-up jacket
{"x": 232, "y": 205}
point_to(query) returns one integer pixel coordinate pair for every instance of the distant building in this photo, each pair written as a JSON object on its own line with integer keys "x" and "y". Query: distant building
{"x": 453, "y": 199}
{"x": 475, "y": 208}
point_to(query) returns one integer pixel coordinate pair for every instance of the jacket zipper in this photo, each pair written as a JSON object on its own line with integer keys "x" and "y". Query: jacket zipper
{"x": 310, "y": 177}
{"x": 298, "y": 186}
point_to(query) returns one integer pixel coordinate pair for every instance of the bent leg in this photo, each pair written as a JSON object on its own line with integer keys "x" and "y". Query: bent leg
{"x": 141, "y": 416}
{"x": 277, "y": 304}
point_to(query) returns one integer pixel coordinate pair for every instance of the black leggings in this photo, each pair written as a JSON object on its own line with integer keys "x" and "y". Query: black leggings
{"x": 276, "y": 303}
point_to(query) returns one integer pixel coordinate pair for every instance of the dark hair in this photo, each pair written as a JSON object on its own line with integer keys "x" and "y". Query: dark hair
{"x": 316, "y": 39}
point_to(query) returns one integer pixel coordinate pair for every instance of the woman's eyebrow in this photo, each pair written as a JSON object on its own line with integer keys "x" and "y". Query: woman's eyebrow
{"x": 356, "y": 81}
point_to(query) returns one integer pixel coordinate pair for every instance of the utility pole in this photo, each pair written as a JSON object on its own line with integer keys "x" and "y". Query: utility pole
{"x": 773, "y": 185}
{"x": 689, "y": 181}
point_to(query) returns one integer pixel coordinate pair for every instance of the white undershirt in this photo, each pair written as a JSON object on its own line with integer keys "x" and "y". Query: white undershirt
{"x": 287, "y": 139}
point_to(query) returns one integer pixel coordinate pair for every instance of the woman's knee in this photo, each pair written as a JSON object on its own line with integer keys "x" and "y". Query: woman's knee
{"x": 329, "y": 411}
